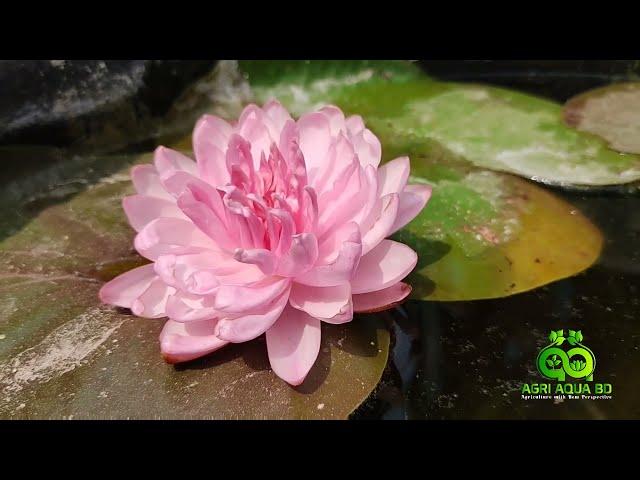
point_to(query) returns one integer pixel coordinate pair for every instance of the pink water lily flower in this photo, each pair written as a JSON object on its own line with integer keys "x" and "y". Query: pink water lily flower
{"x": 277, "y": 226}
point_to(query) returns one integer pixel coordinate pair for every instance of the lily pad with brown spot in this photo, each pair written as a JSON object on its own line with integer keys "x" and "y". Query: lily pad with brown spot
{"x": 487, "y": 234}
{"x": 63, "y": 355}
{"x": 611, "y": 112}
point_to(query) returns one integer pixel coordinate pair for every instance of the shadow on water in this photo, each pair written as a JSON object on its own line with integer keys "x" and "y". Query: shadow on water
{"x": 430, "y": 251}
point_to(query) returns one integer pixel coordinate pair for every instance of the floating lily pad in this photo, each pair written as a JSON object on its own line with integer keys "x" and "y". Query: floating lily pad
{"x": 486, "y": 234}
{"x": 611, "y": 112}
{"x": 483, "y": 234}
{"x": 62, "y": 354}
{"x": 491, "y": 127}
{"x": 307, "y": 85}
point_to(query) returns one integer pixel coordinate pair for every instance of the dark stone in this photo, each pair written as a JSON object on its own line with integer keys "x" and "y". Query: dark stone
{"x": 555, "y": 79}
{"x": 105, "y": 103}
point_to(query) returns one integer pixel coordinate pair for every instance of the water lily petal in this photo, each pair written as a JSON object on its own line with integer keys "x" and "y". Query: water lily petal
{"x": 368, "y": 148}
{"x": 352, "y": 196}
{"x": 175, "y": 182}
{"x": 252, "y": 126}
{"x": 210, "y": 137}
{"x": 386, "y": 264}
{"x": 354, "y": 124}
{"x": 412, "y": 200}
{"x": 186, "y": 307}
{"x": 339, "y": 157}
{"x": 321, "y": 302}
{"x": 241, "y": 298}
{"x": 247, "y": 327}
{"x": 382, "y": 299}
{"x": 167, "y": 160}
{"x": 293, "y": 344}
{"x": 181, "y": 342}
{"x": 147, "y": 182}
{"x": 151, "y": 303}
{"x": 202, "y": 273}
{"x": 315, "y": 139}
{"x": 204, "y": 217}
{"x": 336, "y": 119}
{"x": 277, "y": 113}
{"x": 384, "y": 216}
{"x": 127, "y": 287}
{"x": 301, "y": 256}
{"x": 164, "y": 236}
{"x": 141, "y": 209}
{"x": 393, "y": 176}
{"x": 345, "y": 315}
{"x": 340, "y": 270}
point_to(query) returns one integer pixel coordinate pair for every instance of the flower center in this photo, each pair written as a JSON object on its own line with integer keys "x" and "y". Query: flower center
{"x": 274, "y": 195}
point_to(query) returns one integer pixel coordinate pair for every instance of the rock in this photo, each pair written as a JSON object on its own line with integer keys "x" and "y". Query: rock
{"x": 99, "y": 103}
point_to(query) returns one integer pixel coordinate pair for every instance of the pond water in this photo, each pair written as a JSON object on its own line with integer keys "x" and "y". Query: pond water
{"x": 466, "y": 359}
{"x": 469, "y": 360}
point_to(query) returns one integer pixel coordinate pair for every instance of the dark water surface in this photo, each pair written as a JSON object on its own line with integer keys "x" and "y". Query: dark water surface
{"x": 469, "y": 359}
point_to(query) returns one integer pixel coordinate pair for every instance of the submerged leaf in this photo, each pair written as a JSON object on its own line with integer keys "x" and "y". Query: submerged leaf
{"x": 611, "y": 112}
{"x": 62, "y": 234}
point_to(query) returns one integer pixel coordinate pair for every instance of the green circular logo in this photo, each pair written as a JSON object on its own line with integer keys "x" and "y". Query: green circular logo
{"x": 556, "y": 363}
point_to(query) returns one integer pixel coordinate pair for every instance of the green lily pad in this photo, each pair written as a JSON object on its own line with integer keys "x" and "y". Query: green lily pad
{"x": 486, "y": 234}
{"x": 63, "y": 355}
{"x": 491, "y": 127}
{"x": 611, "y": 112}
{"x": 483, "y": 234}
